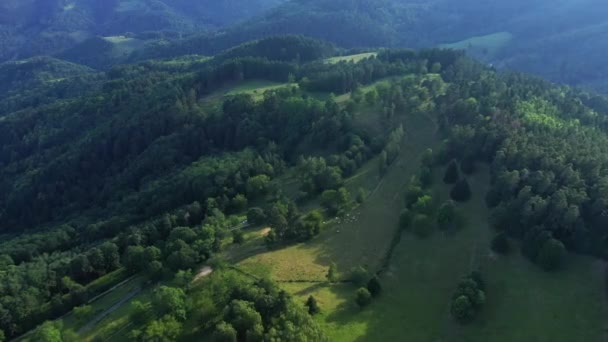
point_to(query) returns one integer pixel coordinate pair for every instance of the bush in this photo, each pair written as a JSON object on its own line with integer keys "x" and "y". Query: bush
{"x": 424, "y": 205}
{"x": 462, "y": 309}
{"x": 364, "y": 297}
{"x": 238, "y": 237}
{"x": 500, "y": 244}
{"x": 256, "y": 216}
{"x": 461, "y": 192}
{"x": 359, "y": 275}
{"x": 374, "y": 287}
{"x": 412, "y": 194}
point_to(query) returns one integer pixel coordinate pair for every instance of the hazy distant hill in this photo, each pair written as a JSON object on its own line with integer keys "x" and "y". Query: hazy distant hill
{"x": 560, "y": 40}
{"x": 33, "y": 27}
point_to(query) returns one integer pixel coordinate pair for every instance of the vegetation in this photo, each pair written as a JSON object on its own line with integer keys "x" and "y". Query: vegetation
{"x": 156, "y": 172}
{"x": 468, "y": 299}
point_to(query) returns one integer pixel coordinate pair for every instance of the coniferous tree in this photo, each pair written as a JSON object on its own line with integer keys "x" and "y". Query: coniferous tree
{"x": 451, "y": 173}
{"x": 313, "y": 306}
{"x": 374, "y": 287}
{"x": 461, "y": 192}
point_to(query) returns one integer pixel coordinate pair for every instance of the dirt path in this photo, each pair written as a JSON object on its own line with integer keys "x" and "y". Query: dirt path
{"x": 202, "y": 273}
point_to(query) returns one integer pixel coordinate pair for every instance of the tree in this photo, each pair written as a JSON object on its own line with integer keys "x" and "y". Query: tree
{"x": 359, "y": 275}
{"x": 166, "y": 329}
{"x": 462, "y": 309}
{"x": 361, "y": 194}
{"x": 313, "y": 307}
{"x": 412, "y": 194}
{"x": 331, "y": 272}
{"x": 364, "y": 297}
{"x": 134, "y": 259}
{"x": 139, "y": 314}
{"x": 335, "y": 200}
{"x": 256, "y": 216}
{"x": 48, "y": 332}
{"x": 551, "y": 254}
{"x": 257, "y": 185}
{"x": 374, "y": 286}
{"x": 83, "y": 313}
{"x": 500, "y": 244}
{"x": 451, "y": 173}
{"x": 238, "y": 237}
{"x": 424, "y": 205}
{"x": 169, "y": 301}
{"x": 224, "y": 332}
{"x": 239, "y": 203}
{"x": 446, "y": 215}
{"x": 271, "y": 238}
{"x": 461, "y": 192}
{"x": 245, "y": 319}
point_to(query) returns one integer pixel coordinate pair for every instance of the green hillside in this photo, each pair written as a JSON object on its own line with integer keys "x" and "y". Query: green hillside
{"x": 284, "y": 191}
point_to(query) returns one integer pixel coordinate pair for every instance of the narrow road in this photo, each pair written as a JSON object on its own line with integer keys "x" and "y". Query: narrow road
{"x": 93, "y": 322}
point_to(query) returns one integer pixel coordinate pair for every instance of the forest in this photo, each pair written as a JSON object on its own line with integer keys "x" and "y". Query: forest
{"x": 154, "y": 169}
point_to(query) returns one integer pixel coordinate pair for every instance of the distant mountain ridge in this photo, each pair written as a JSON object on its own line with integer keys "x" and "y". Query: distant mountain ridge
{"x": 34, "y": 27}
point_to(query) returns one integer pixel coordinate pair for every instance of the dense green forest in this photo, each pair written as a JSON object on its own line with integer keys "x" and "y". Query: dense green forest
{"x": 545, "y": 38}
{"x": 150, "y": 170}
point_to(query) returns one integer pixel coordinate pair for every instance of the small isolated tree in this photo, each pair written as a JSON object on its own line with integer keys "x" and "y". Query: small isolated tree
{"x": 461, "y": 192}
{"x": 331, "y": 273}
{"x": 500, "y": 244}
{"x": 359, "y": 275}
{"x": 551, "y": 254}
{"x": 364, "y": 297}
{"x": 224, "y": 332}
{"x": 361, "y": 195}
{"x": 451, "y": 173}
{"x": 374, "y": 287}
{"x": 422, "y": 225}
{"x": 312, "y": 305}
{"x": 446, "y": 215}
{"x": 462, "y": 309}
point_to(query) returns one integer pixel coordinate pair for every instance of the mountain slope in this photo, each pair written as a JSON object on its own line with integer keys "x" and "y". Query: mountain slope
{"x": 34, "y": 27}
{"x": 562, "y": 40}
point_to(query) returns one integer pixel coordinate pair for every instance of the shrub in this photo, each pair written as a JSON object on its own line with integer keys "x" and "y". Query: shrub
{"x": 364, "y": 297}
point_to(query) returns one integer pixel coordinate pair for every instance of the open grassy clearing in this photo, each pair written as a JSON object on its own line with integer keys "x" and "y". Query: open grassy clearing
{"x": 486, "y": 46}
{"x": 351, "y": 58}
{"x": 256, "y": 88}
{"x": 368, "y": 230}
{"x": 523, "y": 302}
